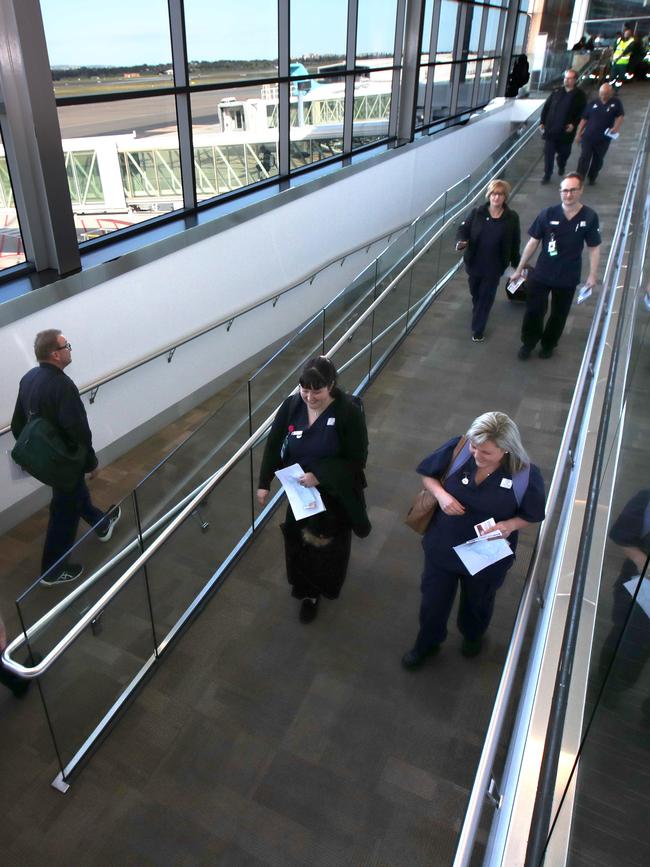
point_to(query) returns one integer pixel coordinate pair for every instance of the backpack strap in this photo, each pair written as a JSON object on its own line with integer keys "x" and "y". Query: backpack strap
{"x": 520, "y": 480}
{"x": 520, "y": 483}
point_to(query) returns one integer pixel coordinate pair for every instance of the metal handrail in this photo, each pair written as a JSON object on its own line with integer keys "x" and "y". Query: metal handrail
{"x": 273, "y": 296}
{"x": 588, "y": 366}
{"x": 199, "y": 495}
{"x": 231, "y": 317}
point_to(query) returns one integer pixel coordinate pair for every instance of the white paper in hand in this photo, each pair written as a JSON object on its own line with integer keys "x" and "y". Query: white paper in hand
{"x": 583, "y": 293}
{"x": 480, "y": 553}
{"x": 303, "y": 501}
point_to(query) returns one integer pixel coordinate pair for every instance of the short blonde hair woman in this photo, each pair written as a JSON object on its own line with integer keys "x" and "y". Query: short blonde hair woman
{"x": 490, "y": 237}
{"x": 486, "y": 476}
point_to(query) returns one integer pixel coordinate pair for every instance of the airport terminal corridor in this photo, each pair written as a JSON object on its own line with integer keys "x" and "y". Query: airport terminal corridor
{"x": 263, "y": 741}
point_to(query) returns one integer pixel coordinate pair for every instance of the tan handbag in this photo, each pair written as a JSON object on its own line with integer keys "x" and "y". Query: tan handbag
{"x": 425, "y": 504}
{"x": 419, "y": 515}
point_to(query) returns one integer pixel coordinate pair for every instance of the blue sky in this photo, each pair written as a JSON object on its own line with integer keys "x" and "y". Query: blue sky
{"x": 125, "y": 32}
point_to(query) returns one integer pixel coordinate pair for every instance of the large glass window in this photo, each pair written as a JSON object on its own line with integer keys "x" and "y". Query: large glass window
{"x": 122, "y": 161}
{"x": 118, "y": 47}
{"x": 228, "y": 42}
{"x": 11, "y": 242}
{"x": 376, "y": 32}
{"x": 235, "y": 138}
{"x": 318, "y": 34}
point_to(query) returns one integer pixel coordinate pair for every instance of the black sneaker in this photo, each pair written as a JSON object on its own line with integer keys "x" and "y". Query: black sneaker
{"x": 471, "y": 648}
{"x": 545, "y": 180}
{"x": 69, "y": 572}
{"x": 545, "y": 353}
{"x": 414, "y": 658}
{"x": 114, "y": 514}
{"x": 478, "y": 337}
{"x": 524, "y": 353}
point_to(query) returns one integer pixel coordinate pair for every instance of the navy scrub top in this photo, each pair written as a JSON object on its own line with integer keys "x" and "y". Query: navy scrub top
{"x": 487, "y": 500}
{"x": 570, "y": 237}
{"x": 304, "y": 444}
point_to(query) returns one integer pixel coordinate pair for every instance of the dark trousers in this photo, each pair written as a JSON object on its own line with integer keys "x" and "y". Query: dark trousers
{"x": 483, "y": 290}
{"x": 65, "y": 512}
{"x": 592, "y": 157}
{"x": 477, "y": 593}
{"x": 553, "y": 146}
{"x": 532, "y": 328}
{"x": 11, "y": 680}
{"x": 634, "y": 650}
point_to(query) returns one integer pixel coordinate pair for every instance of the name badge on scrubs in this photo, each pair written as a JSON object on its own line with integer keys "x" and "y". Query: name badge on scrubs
{"x": 296, "y": 433}
{"x": 506, "y": 483}
{"x": 330, "y": 422}
{"x": 552, "y": 247}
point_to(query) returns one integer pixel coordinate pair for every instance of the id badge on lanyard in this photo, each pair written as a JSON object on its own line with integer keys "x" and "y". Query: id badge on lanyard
{"x": 551, "y": 247}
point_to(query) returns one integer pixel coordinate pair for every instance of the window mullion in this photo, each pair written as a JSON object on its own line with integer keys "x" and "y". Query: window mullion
{"x": 33, "y": 139}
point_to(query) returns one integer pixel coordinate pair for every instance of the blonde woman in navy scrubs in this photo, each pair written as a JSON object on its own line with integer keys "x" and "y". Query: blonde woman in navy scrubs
{"x": 491, "y": 477}
{"x": 324, "y": 430}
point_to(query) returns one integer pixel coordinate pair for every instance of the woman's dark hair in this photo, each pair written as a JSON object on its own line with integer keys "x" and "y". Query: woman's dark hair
{"x": 319, "y": 372}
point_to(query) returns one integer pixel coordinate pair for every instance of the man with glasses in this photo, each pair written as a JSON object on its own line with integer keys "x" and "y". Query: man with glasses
{"x": 561, "y": 231}
{"x": 561, "y": 115}
{"x": 601, "y": 121}
{"x": 46, "y": 391}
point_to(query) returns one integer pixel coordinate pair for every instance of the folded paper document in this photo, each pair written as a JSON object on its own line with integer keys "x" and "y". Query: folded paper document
{"x": 303, "y": 501}
{"x": 478, "y": 554}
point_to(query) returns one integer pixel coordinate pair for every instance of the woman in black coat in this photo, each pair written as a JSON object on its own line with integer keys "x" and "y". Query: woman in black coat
{"x": 324, "y": 430}
{"x": 490, "y": 236}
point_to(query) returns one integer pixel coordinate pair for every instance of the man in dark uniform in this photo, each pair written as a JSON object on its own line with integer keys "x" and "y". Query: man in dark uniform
{"x": 562, "y": 231}
{"x": 561, "y": 115}
{"x": 601, "y": 121}
{"x": 48, "y": 392}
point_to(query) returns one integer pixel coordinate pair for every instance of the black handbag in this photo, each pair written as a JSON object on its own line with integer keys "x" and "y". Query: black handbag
{"x": 42, "y": 452}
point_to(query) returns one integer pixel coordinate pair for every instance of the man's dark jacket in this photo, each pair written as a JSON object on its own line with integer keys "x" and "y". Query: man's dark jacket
{"x": 48, "y": 392}
{"x": 554, "y": 125}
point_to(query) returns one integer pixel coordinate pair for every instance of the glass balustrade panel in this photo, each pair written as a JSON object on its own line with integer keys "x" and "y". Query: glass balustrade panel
{"x": 97, "y": 564}
{"x": 186, "y": 562}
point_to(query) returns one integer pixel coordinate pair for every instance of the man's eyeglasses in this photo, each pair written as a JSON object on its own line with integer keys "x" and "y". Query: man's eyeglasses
{"x": 570, "y": 190}
{"x": 65, "y": 346}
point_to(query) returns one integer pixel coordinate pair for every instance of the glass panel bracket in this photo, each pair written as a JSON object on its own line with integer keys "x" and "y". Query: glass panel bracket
{"x": 493, "y": 794}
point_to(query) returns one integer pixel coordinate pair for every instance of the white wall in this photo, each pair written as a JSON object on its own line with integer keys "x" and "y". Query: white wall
{"x": 131, "y": 315}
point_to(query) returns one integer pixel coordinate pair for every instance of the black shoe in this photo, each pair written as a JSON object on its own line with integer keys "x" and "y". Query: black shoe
{"x": 545, "y": 353}
{"x": 113, "y": 514}
{"x": 591, "y": 181}
{"x": 70, "y": 572}
{"x": 545, "y": 180}
{"x": 308, "y": 610}
{"x": 560, "y": 170}
{"x": 414, "y": 658}
{"x": 524, "y": 353}
{"x": 477, "y": 337}
{"x": 471, "y": 648}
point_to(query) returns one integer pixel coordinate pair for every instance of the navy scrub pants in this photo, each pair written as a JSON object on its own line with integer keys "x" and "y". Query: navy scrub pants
{"x": 477, "y": 593}
{"x": 592, "y": 157}
{"x": 553, "y": 146}
{"x": 483, "y": 290}
{"x": 66, "y": 509}
{"x": 533, "y": 328}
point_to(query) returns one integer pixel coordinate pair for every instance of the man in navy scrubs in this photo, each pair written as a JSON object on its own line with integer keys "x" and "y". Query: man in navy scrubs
{"x": 561, "y": 232}
{"x": 601, "y": 121}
